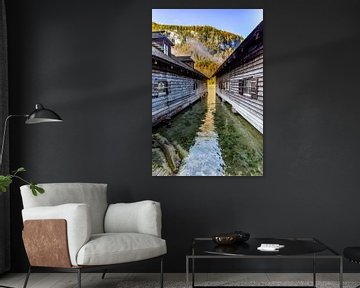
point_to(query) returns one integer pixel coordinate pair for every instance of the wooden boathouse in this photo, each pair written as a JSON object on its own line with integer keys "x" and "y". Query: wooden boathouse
{"x": 240, "y": 79}
{"x": 175, "y": 82}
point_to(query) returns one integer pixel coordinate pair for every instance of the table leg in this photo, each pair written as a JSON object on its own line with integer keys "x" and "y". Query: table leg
{"x": 187, "y": 272}
{"x": 193, "y": 272}
{"x": 314, "y": 271}
{"x": 193, "y": 267}
{"x": 341, "y": 273}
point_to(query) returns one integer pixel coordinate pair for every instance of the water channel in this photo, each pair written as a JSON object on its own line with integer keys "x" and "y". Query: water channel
{"x": 208, "y": 140}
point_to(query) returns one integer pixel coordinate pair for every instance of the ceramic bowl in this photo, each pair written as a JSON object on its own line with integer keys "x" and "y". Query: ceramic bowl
{"x": 225, "y": 239}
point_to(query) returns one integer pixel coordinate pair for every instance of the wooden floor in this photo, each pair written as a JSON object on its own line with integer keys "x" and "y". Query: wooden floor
{"x": 117, "y": 280}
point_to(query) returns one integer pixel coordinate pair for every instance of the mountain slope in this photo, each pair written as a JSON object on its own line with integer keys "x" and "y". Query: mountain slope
{"x": 208, "y": 46}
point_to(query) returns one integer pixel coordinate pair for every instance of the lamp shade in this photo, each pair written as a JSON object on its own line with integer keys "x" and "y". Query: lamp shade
{"x": 42, "y": 115}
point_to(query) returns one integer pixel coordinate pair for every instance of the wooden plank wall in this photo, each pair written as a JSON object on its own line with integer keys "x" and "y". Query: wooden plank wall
{"x": 181, "y": 94}
{"x": 248, "y": 107}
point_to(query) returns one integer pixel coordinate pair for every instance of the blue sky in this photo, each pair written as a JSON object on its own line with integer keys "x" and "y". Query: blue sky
{"x": 239, "y": 21}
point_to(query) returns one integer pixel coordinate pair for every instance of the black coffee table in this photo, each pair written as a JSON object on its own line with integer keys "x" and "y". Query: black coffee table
{"x": 295, "y": 248}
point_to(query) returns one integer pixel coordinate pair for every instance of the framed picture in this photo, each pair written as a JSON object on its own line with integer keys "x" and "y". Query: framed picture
{"x": 207, "y": 92}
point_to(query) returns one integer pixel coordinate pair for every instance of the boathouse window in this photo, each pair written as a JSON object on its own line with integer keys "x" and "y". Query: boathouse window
{"x": 241, "y": 86}
{"x": 245, "y": 86}
{"x": 227, "y": 85}
{"x": 254, "y": 88}
{"x": 163, "y": 88}
{"x": 166, "y": 49}
{"x": 195, "y": 85}
{"x": 248, "y": 87}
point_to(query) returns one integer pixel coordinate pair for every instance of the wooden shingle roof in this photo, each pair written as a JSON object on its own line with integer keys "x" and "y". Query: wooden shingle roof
{"x": 173, "y": 61}
{"x": 247, "y": 50}
{"x": 158, "y": 35}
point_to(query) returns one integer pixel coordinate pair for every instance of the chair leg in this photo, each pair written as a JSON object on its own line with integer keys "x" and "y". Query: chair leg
{"x": 103, "y": 275}
{"x": 161, "y": 272}
{"x": 79, "y": 277}
{"x": 27, "y": 277}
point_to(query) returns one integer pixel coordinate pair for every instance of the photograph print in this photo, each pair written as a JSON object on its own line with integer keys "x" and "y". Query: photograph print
{"x": 207, "y": 92}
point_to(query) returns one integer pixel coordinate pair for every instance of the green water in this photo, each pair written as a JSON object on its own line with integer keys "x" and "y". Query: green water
{"x": 241, "y": 144}
{"x": 183, "y": 127}
{"x": 226, "y": 133}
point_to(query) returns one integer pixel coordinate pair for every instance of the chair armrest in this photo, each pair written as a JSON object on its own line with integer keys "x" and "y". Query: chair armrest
{"x": 138, "y": 217}
{"x": 78, "y": 223}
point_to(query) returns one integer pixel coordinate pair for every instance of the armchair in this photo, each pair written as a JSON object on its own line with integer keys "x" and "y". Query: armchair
{"x": 71, "y": 228}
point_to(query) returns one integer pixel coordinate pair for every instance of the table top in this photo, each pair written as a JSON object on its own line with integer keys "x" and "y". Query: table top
{"x": 293, "y": 247}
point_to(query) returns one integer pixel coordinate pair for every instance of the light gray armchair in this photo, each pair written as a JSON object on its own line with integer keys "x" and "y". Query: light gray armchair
{"x": 72, "y": 228}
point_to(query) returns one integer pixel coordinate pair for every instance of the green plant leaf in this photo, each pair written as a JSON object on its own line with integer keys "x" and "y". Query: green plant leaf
{"x": 36, "y": 189}
{"x": 5, "y": 182}
{"x": 33, "y": 189}
{"x": 39, "y": 189}
{"x": 20, "y": 169}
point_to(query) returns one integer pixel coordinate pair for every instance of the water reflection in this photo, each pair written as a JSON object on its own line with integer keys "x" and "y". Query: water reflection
{"x": 204, "y": 157}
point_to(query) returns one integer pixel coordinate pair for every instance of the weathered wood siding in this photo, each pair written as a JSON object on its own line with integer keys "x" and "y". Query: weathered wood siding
{"x": 181, "y": 94}
{"x": 248, "y": 106}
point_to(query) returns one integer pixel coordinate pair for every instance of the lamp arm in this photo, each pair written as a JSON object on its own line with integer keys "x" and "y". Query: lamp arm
{"x": 4, "y": 134}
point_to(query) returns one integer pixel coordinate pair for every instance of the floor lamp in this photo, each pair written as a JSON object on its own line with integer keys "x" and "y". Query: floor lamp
{"x": 39, "y": 115}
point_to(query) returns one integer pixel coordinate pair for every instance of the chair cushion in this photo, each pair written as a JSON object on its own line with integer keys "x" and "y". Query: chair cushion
{"x": 352, "y": 253}
{"x": 114, "y": 248}
{"x": 138, "y": 217}
{"x": 92, "y": 194}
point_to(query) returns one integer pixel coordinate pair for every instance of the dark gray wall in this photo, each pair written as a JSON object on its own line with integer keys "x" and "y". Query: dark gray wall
{"x": 90, "y": 61}
{"x": 4, "y": 166}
